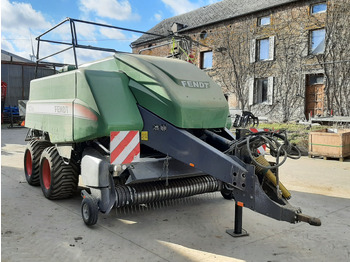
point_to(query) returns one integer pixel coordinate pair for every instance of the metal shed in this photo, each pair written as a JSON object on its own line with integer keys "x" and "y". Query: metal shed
{"x": 17, "y": 72}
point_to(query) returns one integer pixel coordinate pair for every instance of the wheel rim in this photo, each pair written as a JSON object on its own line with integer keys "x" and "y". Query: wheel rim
{"x": 46, "y": 174}
{"x": 86, "y": 212}
{"x": 29, "y": 163}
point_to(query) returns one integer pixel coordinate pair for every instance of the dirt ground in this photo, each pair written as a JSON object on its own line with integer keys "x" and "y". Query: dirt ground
{"x": 36, "y": 229}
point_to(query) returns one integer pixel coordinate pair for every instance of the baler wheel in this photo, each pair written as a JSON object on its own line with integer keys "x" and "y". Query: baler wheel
{"x": 89, "y": 210}
{"x": 32, "y": 160}
{"x": 58, "y": 180}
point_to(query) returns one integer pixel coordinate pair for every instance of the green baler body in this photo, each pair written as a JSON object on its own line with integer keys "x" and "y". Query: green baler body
{"x": 102, "y": 96}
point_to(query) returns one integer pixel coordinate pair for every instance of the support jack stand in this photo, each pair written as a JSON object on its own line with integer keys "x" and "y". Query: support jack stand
{"x": 238, "y": 231}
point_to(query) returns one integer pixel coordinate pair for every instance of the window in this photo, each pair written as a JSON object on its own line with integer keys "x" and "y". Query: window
{"x": 203, "y": 35}
{"x": 318, "y": 8}
{"x": 261, "y": 90}
{"x": 262, "y": 49}
{"x": 317, "y": 41}
{"x": 206, "y": 59}
{"x": 315, "y": 79}
{"x": 264, "y": 21}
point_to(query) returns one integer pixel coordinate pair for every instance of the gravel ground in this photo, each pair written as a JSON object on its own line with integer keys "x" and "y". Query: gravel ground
{"x": 36, "y": 229}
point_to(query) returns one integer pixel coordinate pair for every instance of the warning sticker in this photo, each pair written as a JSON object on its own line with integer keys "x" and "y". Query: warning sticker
{"x": 144, "y": 135}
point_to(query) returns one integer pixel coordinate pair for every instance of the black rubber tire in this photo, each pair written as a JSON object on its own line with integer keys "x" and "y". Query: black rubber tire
{"x": 58, "y": 180}
{"x": 227, "y": 193}
{"x": 32, "y": 156}
{"x": 89, "y": 210}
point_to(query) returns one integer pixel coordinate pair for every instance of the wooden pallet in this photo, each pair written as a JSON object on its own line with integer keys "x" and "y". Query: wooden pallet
{"x": 341, "y": 159}
{"x": 330, "y": 143}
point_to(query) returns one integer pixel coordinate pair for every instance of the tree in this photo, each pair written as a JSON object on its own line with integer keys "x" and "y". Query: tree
{"x": 291, "y": 49}
{"x": 335, "y": 59}
{"x": 232, "y": 69}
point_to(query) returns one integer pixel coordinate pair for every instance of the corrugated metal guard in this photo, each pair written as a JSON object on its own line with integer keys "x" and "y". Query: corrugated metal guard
{"x": 18, "y": 77}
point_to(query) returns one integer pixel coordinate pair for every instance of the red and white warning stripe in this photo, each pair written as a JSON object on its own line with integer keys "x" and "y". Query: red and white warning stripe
{"x": 125, "y": 147}
{"x": 261, "y": 149}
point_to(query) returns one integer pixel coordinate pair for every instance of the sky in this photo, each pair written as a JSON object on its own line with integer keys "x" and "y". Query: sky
{"x": 23, "y": 20}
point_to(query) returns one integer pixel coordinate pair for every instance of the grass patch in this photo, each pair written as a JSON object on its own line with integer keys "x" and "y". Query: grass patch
{"x": 297, "y": 133}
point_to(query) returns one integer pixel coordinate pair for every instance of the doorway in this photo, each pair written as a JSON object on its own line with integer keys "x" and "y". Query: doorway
{"x": 314, "y": 95}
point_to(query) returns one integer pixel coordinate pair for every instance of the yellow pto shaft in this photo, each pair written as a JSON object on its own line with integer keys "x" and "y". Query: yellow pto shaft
{"x": 270, "y": 176}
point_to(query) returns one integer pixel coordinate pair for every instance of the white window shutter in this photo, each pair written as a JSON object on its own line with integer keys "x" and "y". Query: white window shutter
{"x": 271, "y": 47}
{"x": 270, "y": 82}
{"x": 252, "y": 51}
{"x": 250, "y": 83}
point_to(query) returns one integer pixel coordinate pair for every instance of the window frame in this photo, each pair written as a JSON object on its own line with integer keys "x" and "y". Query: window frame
{"x": 202, "y": 59}
{"x": 258, "y": 49}
{"x": 311, "y": 49}
{"x": 256, "y": 96}
{"x": 259, "y": 96}
{"x": 318, "y": 4}
{"x": 261, "y": 18}
{"x": 312, "y": 79}
{"x": 203, "y": 35}
{"x": 254, "y": 55}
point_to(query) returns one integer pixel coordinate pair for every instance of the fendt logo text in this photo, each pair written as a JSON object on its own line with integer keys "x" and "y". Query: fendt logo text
{"x": 194, "y": 84}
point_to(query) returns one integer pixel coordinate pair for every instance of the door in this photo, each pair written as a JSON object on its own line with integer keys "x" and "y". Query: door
{"x": 314, "y": 95}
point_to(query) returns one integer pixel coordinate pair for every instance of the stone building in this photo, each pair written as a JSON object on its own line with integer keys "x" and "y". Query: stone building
{"x": 284, "y": 59}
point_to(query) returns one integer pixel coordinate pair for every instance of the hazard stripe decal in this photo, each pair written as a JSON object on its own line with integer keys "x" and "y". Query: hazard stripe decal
{"x": 124, "y": 147}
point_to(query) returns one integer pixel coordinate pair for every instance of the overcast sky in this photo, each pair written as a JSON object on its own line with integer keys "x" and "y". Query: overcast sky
{"x": 23, "y": 20}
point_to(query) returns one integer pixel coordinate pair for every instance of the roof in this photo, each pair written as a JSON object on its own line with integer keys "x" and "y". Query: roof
{"x": 217, "y": 12}
{"x": 10, "y": 57}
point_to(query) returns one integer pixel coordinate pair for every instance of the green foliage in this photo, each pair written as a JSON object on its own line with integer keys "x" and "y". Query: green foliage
{"x": 297, "y": 133}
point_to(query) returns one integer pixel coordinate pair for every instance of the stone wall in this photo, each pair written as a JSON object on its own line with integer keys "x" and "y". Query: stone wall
{"x": 235, "y": 66}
